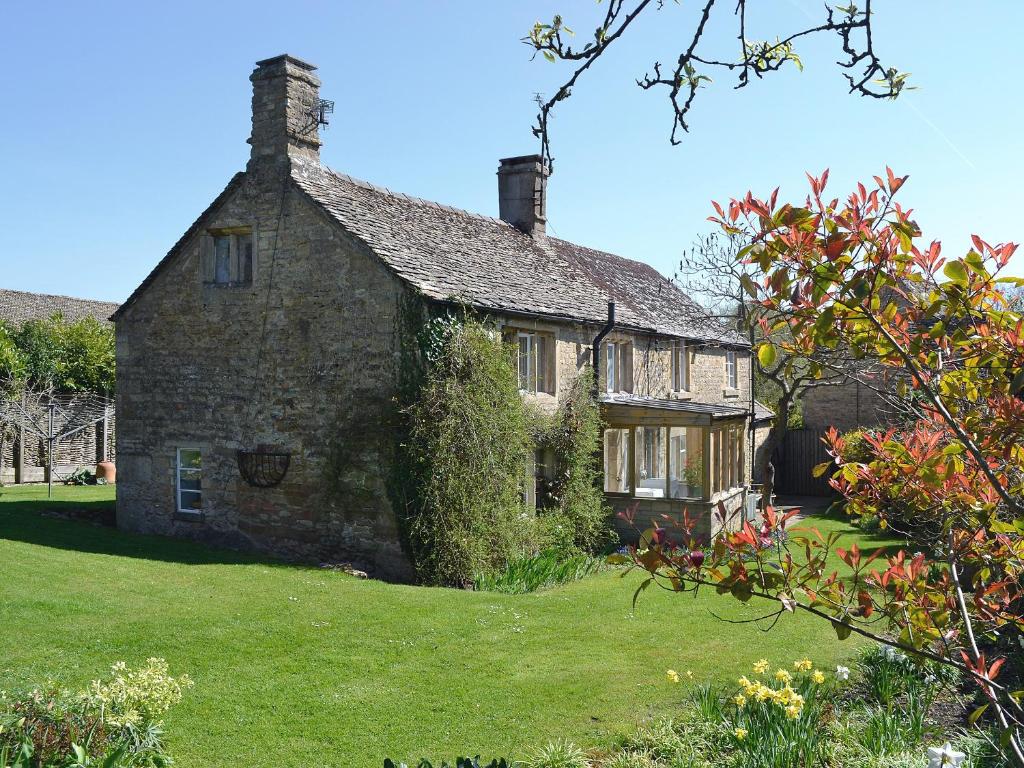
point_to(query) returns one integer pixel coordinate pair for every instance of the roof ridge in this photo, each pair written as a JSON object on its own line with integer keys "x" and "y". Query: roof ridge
{"x": 411, "y": 198}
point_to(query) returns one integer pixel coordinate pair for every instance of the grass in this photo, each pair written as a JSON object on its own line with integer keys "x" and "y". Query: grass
{"x": 296, "y": 666}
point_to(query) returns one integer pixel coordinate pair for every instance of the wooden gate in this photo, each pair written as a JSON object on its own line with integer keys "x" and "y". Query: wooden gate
{"x": 801, "y": 451}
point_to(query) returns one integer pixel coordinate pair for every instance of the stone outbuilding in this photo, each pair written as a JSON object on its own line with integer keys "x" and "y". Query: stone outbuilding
{"x": 259, "y": 362}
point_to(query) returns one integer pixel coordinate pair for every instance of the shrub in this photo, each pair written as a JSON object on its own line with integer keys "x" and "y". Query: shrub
{"x": 80, "y": 476}
{"x": 528, "y": 574}
{"x": 468, "y": 441}
{"x": 115, "y": 722}
{"x": 579, "y": 517}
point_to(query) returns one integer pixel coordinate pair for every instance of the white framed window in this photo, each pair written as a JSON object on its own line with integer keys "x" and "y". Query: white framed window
{"x": 731, "y": 377}
{"x": 686, "y": 462}
{"x": 188, "y": 486}
{"x": 618, "y": 366}
{"x": 536, "y": 366}
{"x": 228, "y": 256}
{"x": 681, "y": 367}
{"x": 650, "y": 456}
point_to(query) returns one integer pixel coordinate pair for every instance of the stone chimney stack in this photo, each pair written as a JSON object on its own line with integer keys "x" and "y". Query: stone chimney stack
{"x": 522, "y": 193}
{"x": 285, "y": 111}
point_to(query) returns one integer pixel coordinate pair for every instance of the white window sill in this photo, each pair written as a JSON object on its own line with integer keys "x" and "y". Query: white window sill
{"x": 682, "y": 394}
{"x": 730, "y": 392}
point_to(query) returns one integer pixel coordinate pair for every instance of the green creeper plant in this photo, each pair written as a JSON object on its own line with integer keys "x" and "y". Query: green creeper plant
{"x": 469, "y": 438}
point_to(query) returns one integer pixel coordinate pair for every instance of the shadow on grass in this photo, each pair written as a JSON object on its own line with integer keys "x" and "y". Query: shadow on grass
{"x": 74, "y": 524}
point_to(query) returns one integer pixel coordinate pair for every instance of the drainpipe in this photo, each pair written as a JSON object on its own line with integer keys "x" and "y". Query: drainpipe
{"x": 596, "y": 349}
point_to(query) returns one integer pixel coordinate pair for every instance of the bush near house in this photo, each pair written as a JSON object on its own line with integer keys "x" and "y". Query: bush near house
{"x": 577, "y": 520}
{"x": 469, "y": 438}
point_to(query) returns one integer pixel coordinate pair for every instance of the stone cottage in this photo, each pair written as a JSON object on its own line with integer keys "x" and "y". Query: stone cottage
{"x": 270, "y": 335}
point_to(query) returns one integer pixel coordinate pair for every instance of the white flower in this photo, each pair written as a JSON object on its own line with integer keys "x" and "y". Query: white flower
{"x": 842, "y": 673}
{"x": 944, "y": 755}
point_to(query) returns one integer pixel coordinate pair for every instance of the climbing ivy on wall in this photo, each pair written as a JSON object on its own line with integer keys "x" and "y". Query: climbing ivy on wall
{"x": 469, "y": 438}
{"x": 578, "y": 517}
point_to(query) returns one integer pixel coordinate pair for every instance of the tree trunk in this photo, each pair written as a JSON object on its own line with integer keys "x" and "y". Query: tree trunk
{"x": 772, "y": 443}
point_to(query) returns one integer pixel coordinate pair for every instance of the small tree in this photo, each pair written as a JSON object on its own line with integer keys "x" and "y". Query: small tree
{"x": 70, "y": 357}
{"x": 850, "y": 274}
{"x": 468, "y": 440}
{"x": 716, "y": 270}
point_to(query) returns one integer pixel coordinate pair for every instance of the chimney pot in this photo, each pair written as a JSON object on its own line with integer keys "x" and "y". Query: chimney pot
{"x": 522, "y": 193}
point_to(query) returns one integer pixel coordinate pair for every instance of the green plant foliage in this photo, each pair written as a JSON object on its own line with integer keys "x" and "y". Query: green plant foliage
{"x": 80, "y": 476}
{"x": 68, "y": 356}
{"x": 468, "y": 441}
{"x": 579, "y": 518}
{"x": 546, "y": 569}
{"x": 557, "y": 754}
{"x": 12, "y": 362}
{"x": 116, "y": 721}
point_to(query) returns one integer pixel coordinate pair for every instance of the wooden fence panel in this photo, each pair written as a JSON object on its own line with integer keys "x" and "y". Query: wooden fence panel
{"x": 802, "y": 450}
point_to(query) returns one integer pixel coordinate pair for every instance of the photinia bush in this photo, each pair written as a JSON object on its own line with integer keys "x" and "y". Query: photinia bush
{"x": 948, "y": 347}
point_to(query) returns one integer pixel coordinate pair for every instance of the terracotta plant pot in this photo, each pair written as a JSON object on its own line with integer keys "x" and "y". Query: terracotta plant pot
{"x": 106, "y": 471}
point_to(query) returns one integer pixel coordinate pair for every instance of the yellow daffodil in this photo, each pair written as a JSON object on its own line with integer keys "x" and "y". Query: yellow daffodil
{"x": 744, "y": 681}
{"x": 761, "y": 667}
{"x": 793, "y": 711}
{"x": 741, "y": 733}
{"x": 803, "y": 665}
{"x": 741, "y": 700}
{"x": 818, "y": 677}
{"x": 783, "y": 676}
{"x": 672, "y": 675}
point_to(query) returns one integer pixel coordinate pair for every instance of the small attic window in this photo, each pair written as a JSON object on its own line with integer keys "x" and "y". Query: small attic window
{"x": 228, "y": 256}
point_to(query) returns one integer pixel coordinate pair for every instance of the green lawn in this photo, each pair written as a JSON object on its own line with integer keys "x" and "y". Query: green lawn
{"x": 296, "y": 666}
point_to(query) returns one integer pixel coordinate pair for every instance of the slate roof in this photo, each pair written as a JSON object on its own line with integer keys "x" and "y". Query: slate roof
{"x": 714, "y": 410}
{"x": 450, "y": 254}
{"x": 16, "y": 307}
{"x": 762, "y": 412}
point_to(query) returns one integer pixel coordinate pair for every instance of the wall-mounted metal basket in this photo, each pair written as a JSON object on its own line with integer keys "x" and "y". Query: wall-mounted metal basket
{"x": 263, "y": 468}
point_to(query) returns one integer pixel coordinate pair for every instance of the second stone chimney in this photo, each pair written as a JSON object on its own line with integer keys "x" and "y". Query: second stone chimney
{"x": 285, "y": 111}
{"x": 522, "y": 193}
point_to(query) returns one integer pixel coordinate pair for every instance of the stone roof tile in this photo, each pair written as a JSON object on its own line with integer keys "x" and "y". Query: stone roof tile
{"x": 451, "y": 254}
{"x": 17, "y": 307}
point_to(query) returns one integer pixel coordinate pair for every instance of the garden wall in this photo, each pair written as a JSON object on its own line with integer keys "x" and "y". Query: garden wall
{"x": 83, "y": 449}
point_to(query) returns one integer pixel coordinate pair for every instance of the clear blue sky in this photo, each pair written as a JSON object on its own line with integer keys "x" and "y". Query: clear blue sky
{"x": 122, "y": 120}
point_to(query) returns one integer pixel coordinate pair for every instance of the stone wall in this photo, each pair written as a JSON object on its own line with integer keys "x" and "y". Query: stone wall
{"x": 652, "y": 364}
{"x": 303, "y": 359}
{"x": 844, "y": 406}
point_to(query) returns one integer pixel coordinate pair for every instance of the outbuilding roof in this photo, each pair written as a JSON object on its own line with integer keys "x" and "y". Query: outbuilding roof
{"x": 453, "y": 255}
{"x": 17, "y": 307}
